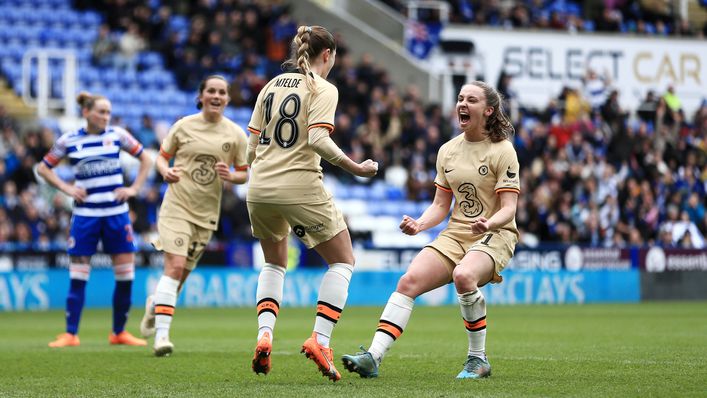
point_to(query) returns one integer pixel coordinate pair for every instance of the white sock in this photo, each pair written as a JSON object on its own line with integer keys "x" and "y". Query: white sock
{"x": 393, "y": 321}
{"x": 473, "y": 306}
{"x": 268, "y": 296}
{"x": 333, "y": 292}
{"x": 165, "y": 302}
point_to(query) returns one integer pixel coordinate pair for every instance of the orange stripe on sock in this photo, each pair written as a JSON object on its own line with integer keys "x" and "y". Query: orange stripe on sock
{"x": 475, "y": 326}
{"x": 328, "y": 312}
{"x": 164, "y": 310}
{"x": 268, "y": 305}
{"x": 389, "y": 328}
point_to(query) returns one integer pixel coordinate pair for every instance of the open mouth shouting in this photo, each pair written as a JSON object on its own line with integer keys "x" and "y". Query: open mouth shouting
{"x": 464, "y": 117}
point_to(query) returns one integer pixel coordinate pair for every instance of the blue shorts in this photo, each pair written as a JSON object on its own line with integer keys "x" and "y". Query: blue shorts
{"x": 116, "y": 233}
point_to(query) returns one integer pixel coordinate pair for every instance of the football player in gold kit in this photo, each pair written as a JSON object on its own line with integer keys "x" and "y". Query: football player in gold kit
{"x": 290, "y": 128}
{"x": 478, "y": 169}
{"x": 204, "y": 146}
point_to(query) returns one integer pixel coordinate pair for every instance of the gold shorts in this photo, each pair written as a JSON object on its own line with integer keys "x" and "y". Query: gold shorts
{"x": 452, "y": 245}
{"x": 182, "y": 238}
{"x": 313, "y": 223}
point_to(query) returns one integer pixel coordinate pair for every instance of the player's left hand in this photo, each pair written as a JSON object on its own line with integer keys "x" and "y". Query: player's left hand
{"x": 124, "y": 193}
{"x": 480, "y": 225}
{"x": 223, "y": 171}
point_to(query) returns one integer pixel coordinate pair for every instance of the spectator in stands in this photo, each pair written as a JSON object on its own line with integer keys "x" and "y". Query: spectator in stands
{"x": 100, "y": 211}
{"x": 129, "y": 44}
{"x": 290, "y": 126}
{"x": 647, "y": 109}
{"x": 146, "y": 133}
{"x": 673, "y": 111}
{"x": 204, "y": 146}
{"x": 595, "y": 89}
{"x": 481, "y": 235}
{"x": 617, "y": 143}
{"x": 686, "y": 234}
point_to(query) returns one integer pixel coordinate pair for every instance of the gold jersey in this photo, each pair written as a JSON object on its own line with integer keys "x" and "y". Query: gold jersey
{"x": 197, "y": 145}
{"x": 286, "y": 169}
{"x": 476, "y": 173}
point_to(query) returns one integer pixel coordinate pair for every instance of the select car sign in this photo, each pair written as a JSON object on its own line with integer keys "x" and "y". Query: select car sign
{"x": 542, "y": 63}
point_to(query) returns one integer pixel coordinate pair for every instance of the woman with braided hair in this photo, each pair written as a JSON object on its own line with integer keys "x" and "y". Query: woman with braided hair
{"x": 289, "y": 134}
{"x": 478, "y": 169}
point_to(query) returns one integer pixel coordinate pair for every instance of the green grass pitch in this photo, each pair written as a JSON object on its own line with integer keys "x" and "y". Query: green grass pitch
{"x": 615, "y": 350}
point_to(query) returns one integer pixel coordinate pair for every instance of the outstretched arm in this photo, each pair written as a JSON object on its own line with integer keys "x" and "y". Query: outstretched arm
{"x": 325, "y": 147}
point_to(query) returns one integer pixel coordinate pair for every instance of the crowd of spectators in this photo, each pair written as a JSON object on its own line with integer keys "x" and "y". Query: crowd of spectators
{"x": 592, "y": 172}
{"x": 641, "y": 17}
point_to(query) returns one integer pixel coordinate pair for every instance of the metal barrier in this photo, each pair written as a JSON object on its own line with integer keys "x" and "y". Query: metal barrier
{"x": 44, "y": 101}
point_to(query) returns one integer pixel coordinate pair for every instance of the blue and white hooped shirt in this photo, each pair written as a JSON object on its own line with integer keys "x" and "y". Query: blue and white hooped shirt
{"x": 95, "y": 161}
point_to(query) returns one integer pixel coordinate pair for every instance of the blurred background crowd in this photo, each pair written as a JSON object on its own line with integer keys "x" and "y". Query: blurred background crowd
{"x": 591, "y": 171}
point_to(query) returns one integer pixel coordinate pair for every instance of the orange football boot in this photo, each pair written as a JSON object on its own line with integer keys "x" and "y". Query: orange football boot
{"x": 65, "y": 340}
{"x": 322, "y": 356}
{"x": 126, "y": 338}
{"x": 261, "y": 359}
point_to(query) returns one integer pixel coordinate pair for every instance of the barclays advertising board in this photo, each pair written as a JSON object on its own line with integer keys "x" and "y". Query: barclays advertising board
{"x": 223, "y": 287}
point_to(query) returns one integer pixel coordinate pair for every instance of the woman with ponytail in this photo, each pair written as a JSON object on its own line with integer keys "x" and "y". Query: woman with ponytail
{"x": 478, "y": 169}
{"x": 289, "y": 134}
{"x": 100, "y": 211}
{"x": 202, "y": 148}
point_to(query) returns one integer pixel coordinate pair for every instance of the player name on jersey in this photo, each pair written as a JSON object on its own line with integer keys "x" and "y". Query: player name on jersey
{"x": 288, "y": 82}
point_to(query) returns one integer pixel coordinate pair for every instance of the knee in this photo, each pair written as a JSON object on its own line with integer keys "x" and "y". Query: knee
{"x": 464, "y": 281}
{"x": 409, "y": 285}
{"x": 174, "y": 266}
{"x": 124, "y": 272}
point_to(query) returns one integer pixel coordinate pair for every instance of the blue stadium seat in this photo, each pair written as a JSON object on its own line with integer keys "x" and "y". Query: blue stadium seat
{"x": 120, "y": 96}
{"x": 90, "y": 18}
{"x": 179, "y": 23}
{"x": 89, "y": 74}
{"x": 358, "y": 191}
{"x": 395, "y": 193}
{"x": 410, "y": 208}
{"x": 126, "y": 78}
{"x": 110, "y": 76}
{"x": 377, "y": 191}
{"x": 150, "y": 60}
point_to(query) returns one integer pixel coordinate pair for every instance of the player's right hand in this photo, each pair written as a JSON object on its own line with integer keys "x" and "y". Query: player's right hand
{"x": 410, "y": 226}
{"x": 368, "y": 168}
{"x": 172, "y": 174}
{"x": 77, "y": 193}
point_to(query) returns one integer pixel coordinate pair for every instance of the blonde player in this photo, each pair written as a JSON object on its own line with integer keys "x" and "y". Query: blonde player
{"x": 479, "y": 170}
{"x": 203, "y": 146}
{"x": 100, "y": 211}
{"x": 290, "y": 128}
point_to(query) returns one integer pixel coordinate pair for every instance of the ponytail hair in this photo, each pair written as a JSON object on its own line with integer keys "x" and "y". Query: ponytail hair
{"x": 307, "y": 44}
{"x": 87, "y": 101}
{"x": 498, "y": 126}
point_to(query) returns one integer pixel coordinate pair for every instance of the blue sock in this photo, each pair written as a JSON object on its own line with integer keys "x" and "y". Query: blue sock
{"x": 121, "y": 304}
{"x": 74, "y": 305}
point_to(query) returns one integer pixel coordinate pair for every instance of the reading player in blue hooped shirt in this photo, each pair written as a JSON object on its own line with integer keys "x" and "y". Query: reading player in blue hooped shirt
{"x": 100, "y": 211}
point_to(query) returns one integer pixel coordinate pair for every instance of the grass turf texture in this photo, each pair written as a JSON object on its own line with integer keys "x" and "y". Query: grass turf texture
{"x": 634, "y": 350}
